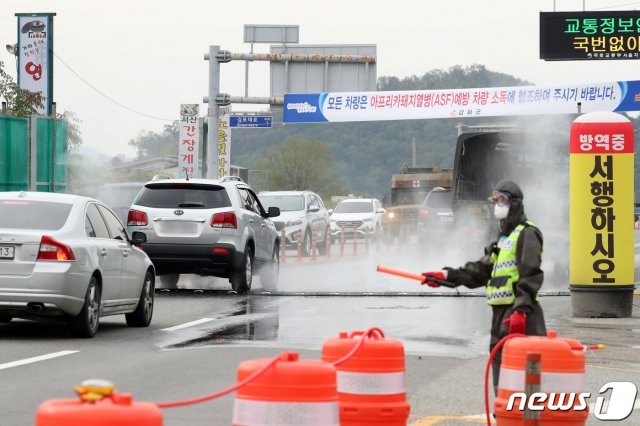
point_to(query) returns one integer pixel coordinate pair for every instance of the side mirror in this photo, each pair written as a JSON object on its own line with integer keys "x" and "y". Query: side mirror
{"x": 138, "y": 238}
{"x": 273, "y": 212}
{"x": 314, "y": 209}
{"x": 380, "y": 211}
{"x": 330, "y": 211}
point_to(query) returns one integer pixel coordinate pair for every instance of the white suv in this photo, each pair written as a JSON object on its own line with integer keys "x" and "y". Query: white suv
{"x": 301, "y": 211}
{"x": 208, "y": 227}
{"x": 358, "y": 217}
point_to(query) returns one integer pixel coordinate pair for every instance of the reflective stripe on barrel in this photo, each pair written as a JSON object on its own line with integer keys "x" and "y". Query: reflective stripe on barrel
{"x": 254, "y": 413}
{"x": 513, "y": 380}
{"x": 371, "y": 383}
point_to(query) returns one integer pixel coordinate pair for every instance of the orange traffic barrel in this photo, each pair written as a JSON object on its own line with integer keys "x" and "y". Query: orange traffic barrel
{"x": 562, "y": 379}
{"x": 99, "y": 405}
{"x": 292, "y": 392}
{"x": 371, "y": 382}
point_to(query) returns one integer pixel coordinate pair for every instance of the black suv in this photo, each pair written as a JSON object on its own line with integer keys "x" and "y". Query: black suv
{"x": 436, "y": 214}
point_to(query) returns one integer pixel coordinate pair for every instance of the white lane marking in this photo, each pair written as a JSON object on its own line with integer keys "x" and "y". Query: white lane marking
{"x": 36, "y": 359}
{"x": 187, "y": 324}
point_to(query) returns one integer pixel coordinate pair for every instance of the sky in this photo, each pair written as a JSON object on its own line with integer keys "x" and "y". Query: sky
{"x": 148, "y": 54}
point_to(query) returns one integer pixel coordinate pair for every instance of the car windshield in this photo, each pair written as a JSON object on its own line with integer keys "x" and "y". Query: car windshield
{"x": 286, "y": 203}
{"x": 118, "y": 196}
{"x": 183, "y": 195}
{"x": 355, "y": 207}
{"x": 21, "y": 214}
{"x": 439, "y": 200}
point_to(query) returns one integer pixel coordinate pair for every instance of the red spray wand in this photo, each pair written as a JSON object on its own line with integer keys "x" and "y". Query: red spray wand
{"x": 413, "y": 276}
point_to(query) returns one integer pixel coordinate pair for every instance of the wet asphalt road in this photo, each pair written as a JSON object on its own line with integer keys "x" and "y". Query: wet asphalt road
{"x": 197, "y": 340}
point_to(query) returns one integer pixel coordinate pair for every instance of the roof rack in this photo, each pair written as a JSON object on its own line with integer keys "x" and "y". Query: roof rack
{"x": 231, "y": 178}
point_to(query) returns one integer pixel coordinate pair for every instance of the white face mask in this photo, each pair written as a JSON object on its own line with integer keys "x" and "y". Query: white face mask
{"x": 500, "y": 211}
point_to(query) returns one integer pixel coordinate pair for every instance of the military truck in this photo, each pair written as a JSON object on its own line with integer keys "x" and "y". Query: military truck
{"x": 536, "y": 159}
{"x": 409, "y": 188}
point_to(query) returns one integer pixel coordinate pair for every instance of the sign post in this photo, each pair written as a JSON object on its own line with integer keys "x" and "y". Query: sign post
{"x": 601, "y": 227}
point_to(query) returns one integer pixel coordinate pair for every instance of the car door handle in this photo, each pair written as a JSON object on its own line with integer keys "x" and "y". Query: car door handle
{"x": 125, "y": 253}
{"x": 251, "y": 221}
{"x": 103, "y": 252}
{"x": 264, "y": 226}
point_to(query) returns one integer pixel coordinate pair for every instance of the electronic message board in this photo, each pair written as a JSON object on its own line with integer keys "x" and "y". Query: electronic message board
{"x": 590, "y": 35}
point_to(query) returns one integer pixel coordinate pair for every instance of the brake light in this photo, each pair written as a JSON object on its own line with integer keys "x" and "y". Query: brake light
{"x": 51, "y": 249}
{"x": 224, "y": 220}
{"x": 424, "y": 214}
{"x": 137, "y": 218}
{"x": 220, "y": 250}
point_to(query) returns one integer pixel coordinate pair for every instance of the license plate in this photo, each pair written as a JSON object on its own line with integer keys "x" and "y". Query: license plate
{"x": 6, "y": 252}
{"x": 179, "y": 227}
{"x": 446, "y": 219}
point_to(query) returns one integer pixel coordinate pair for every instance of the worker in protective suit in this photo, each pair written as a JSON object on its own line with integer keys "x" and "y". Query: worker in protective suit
{"x": 510, "y": 270}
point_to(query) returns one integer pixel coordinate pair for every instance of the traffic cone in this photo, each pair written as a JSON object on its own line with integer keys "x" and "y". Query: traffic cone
{"x": 355, "y": 241}
{"x": 292, "y": 392}
{"x": 366, "y": 242}
{"x": 299, "y": 258}
{"x": 563, "y": 373}
{"x": 371, "y": 385}
{"x": 313, "y": 246}
{"x": 98, "y": 405}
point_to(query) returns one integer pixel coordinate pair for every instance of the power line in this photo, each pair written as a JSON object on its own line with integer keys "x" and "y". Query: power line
{"x": 107, "y": 96}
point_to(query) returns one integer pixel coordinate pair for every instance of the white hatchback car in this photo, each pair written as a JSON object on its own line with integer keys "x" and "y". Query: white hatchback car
{"x": 66, "y": 256}
{"x": 359, "y": 217}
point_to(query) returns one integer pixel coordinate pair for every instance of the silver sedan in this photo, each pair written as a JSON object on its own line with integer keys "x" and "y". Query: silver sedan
{"x": 69, "y": 257}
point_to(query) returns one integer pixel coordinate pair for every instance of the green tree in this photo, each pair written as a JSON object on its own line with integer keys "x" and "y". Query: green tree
{"x": 150, "y": 144}
{"x": 298, "y": 165}
{"x": 20, "y": 102}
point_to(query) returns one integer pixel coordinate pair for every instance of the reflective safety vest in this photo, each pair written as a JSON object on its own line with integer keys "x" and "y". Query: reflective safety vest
{"x": 505, "y": 275}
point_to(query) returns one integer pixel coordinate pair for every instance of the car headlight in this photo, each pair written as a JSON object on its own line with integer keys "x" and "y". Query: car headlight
{"x": 391, "y": 215}
{"x": 294, "y": 222}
